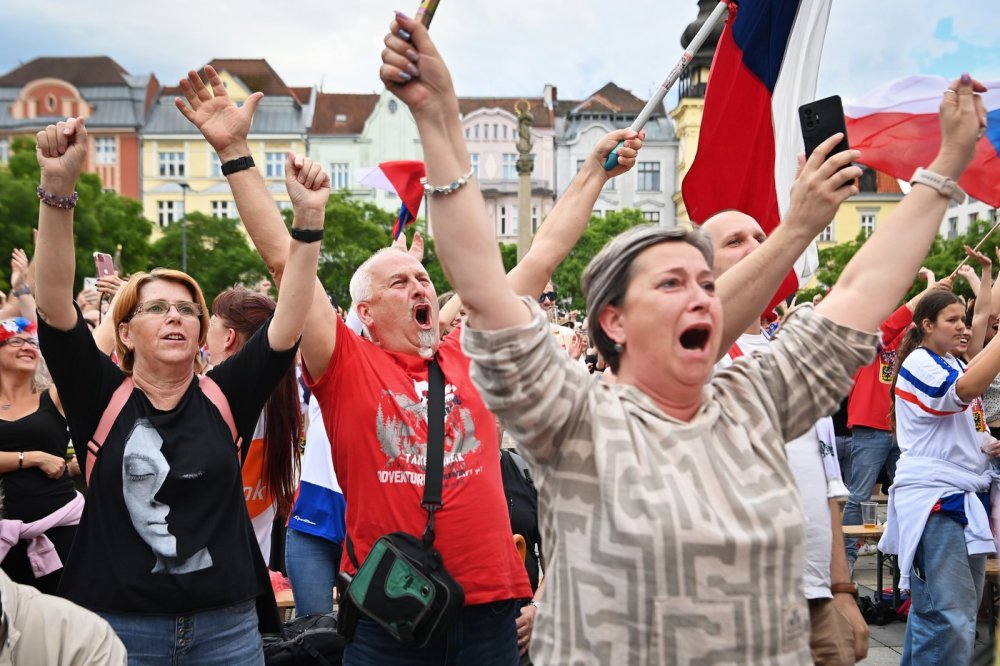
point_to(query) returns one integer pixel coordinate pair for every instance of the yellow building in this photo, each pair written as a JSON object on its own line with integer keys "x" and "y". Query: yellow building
{"x": 180, "y": 171}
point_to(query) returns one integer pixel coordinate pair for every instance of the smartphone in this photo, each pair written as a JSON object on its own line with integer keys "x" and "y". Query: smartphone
{"x": 90, "y": 283}
{"x": 104, "y": 263}
{"x": 820, "y": 120}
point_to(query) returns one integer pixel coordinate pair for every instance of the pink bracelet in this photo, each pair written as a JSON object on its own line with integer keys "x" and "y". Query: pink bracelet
{"x": 57, "y": 201}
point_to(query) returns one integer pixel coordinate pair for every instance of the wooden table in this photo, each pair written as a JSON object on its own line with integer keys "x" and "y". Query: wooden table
{"x": 286, "y": 604}
{"x": 875, "y": 532}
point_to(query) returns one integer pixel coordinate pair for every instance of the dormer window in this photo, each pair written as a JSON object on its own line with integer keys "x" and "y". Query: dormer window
{"x": 50, "y": 102}
{"x": 340, "y": 118}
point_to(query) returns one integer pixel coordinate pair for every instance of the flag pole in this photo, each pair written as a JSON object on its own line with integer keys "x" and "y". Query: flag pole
{"x": 975, "y": 249}
{"x": 668, "y": 83}
{"x": 425, "y": 13}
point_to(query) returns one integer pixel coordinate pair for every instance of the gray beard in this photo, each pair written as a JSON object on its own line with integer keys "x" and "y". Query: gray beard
{"x": 427, "y": 340}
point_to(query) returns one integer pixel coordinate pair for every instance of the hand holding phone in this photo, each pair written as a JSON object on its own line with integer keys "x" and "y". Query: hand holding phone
{"x": 104, "y": 263}
{"x": 820, "y": 120}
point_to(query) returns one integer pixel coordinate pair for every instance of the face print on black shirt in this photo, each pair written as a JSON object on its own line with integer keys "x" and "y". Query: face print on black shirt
{"x": 144, "y": 473}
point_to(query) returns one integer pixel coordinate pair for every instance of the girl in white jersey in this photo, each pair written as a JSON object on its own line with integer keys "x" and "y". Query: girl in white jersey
{"x": 938, "y": 522}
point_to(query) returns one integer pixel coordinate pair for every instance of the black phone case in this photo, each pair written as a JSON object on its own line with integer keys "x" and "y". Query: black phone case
{"x": 820, "y": 120}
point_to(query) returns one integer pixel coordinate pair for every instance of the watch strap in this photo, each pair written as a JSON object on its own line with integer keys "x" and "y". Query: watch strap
{"x": 944, "y": 185}
{"x": 239, "y": 164}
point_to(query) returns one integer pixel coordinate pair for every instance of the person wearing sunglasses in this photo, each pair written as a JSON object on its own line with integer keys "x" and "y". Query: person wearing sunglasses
{"x": 167, "y": 552}
{"x": 33, "y": 443}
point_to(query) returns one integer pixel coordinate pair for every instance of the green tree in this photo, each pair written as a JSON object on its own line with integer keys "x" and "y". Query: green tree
{"x": 218, "y": 253}
{"x": 598, "y": 233}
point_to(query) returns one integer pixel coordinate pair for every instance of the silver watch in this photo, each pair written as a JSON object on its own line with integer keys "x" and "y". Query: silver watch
{"x": 946, "y": 186}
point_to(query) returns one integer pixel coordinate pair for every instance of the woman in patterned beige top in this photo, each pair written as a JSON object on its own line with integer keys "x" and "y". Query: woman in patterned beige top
{"x": 673, "y": 532}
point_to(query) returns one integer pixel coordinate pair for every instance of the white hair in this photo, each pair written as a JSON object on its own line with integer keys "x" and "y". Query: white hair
{"x": 361, "y": 282}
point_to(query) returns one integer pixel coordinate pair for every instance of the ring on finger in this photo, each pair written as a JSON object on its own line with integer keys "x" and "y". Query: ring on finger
{"x": 949, "y": 90}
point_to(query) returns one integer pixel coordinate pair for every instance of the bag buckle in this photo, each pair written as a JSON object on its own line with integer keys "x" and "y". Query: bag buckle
{"x": 428, "y": 537}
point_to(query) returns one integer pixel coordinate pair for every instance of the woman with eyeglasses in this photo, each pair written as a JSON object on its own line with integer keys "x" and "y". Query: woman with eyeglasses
{"x": 165, "y": 551}
{"x": 40, "y": 501}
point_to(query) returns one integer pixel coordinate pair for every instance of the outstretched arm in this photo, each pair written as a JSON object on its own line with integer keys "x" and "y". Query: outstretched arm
{"x": 567, "y": 221}
{"x": 747, "y": 288}
{"x": 308, "y": 188}
{"x": 62, "y": 151}
{"x": 895, "y": 251}
{"x": 226, "y": 127}
{"x": 984, "y": 296}
{"x": 464, "y": 237}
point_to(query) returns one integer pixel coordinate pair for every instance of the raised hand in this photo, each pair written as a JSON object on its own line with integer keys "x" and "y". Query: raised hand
{"x": 821, "y": 186}
{"x": 413, "y": 70}
{"x": 979, "y": 257}
{"x": 927, "y": 275}
{"x": 963, "y": 122}
{"x": 18, "y": 269}
{"x": 61, "y": 150}
{"x": 307, "y": 184}
{"x": 223, "y": 124}
{"x": 109, "y": 285}
{"x": 627, "y": 154}
{"x": 945, "y": 284}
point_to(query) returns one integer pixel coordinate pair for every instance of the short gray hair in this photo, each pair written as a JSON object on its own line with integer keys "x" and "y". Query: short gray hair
{"x": 361, "y": 282}
{"x": 608, "y": 275}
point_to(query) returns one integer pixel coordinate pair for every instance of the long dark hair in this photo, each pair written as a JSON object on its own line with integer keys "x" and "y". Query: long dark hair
{"x": 245, "y": 311}
{"x": 928, "y": 308}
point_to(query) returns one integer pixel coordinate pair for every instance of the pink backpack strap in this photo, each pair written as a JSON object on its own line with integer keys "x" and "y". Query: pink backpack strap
{"x": 218, "y": 398}
{"x": 108, "y": 418}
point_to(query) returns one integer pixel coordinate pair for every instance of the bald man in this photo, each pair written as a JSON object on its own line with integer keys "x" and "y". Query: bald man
{"x": 839, "y": 634}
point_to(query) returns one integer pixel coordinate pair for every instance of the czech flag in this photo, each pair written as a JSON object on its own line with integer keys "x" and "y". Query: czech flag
{"x": 403, "y": 178}
{"x": 896, "y": 127}
{"x": 765, "y": 67}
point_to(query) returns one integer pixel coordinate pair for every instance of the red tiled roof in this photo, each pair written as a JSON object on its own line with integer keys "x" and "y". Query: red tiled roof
{"x": 885, "y": 184}
{"x": 611, "y": 99}
{"x": 539, "y": 113}
{"x": 302, "y": 94}
{"x": 80, "y": 71}
{"x": 353, "y": 108}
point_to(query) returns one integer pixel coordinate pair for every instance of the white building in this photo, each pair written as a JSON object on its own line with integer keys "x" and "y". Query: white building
{"x": 958, "y": 217}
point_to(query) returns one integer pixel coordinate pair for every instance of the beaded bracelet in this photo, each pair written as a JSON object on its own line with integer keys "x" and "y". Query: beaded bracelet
{"x": 446, "y": 189}
{"x": 56, "y": 201}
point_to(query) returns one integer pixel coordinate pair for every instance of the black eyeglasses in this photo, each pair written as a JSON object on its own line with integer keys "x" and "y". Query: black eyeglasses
{"x": 551, "y": 295}
{"x": 20, "y": 342}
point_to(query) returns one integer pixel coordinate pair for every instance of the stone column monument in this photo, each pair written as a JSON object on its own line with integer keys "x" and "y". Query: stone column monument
{"x": 525, "y": 165}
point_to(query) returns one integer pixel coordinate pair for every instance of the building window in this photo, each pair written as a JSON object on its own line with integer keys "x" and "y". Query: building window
{"x": 503, "y": 220}
{"x": 50, "y": 102}
{"x": 579, "y": 165}
{"x": 340, "y": 176}
{"x": 284, "y": 205}
{"x": 4, "y": 151}
{"x": 652, "y": 216}
{"x": 171, "y": 164}
{"x": 597, "y": 212}
{"x": 952, "y": 227}
{"x": 868, "y": 182}
{"x": 467, "y": 133}
{"x": 504, "y": 132}
{"x": 275, "y": 164}
{"x": 169, "y": 212}
{"x": 496, "y": 131}
{"x": 510, "y": 166}
{"x": 973, "y": 218}
{"x": 534, "y": 219}
{"x": 474, "y": 159}
{"x": 868, "y": 223}
{"x": 649, "y": 177}
{"x": 826, "y": 236}
{"x": 224, "y": 209}
{"x": 216, "y": 168}
{"x": 991, "y": 214}
{"x": 477, "y": 131}
{"x": 106, "y": 150}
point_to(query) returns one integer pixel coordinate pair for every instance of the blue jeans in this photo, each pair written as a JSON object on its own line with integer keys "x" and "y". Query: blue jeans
{"x": 870, "y": 450}
{"x": 946, "y": 586}
{"x": 482, "y": 635}
{"x": 844, "y": 458}
{"x": 312, "y": 563}
{"x": 223, "y": 636}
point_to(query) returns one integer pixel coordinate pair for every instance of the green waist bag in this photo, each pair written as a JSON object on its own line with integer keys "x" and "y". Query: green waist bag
{"x": 403, "y": 586}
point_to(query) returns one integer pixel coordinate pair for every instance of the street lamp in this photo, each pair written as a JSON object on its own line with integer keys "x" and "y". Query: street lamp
{"x": 184, "y": 227}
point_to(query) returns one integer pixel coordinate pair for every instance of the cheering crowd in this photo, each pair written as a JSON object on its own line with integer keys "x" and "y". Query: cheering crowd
{"x": 674, "y": 486}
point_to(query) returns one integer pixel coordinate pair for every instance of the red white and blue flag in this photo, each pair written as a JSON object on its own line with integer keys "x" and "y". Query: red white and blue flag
{"x": 403, "y": 178}
{"x": 897, "y": 129}
{"x": 765, "y": 67}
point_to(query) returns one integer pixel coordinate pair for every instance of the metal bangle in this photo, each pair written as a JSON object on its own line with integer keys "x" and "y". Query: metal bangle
{"x": 434, "y": 190}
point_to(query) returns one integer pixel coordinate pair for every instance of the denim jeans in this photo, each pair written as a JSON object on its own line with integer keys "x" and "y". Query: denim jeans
{"x": 223, "y": 636}
{"x": 870, "y": 450}
{"x": 482, "y": 635}
{"x": 313, "y": 563}
{"x": 946, "y": 588}
{"x": 844, "y": 458}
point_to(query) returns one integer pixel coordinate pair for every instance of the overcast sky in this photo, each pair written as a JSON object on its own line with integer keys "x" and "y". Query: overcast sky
{"x": 509, "y": 48}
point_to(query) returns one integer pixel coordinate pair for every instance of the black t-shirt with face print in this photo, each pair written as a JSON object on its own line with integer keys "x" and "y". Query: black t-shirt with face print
{"x": 165, "y": 530}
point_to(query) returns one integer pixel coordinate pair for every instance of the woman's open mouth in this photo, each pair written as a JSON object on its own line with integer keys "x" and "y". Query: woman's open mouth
{"x": 695, "y": 338}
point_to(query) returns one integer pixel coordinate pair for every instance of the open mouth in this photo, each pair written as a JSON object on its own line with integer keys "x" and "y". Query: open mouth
{"x": 422, "y": 315}
{"x": 177, "y": 337}
{"x": 695, "y": 338}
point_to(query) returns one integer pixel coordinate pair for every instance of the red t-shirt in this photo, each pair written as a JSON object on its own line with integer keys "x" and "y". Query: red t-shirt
{"x": 374, "y": 405}
{"x": 868, "y": 403}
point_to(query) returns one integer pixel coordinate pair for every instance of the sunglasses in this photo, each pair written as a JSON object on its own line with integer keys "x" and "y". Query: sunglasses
{"x": 551, "y": 295}
{"x": 20, "y": 342}
{"x": 159, "y": 308}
